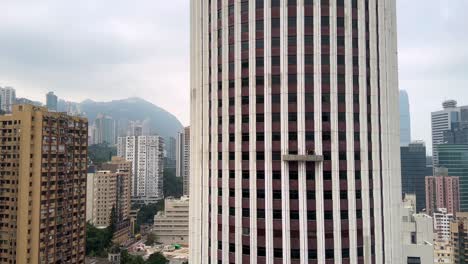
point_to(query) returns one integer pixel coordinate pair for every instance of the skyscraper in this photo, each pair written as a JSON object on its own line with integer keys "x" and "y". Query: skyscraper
{"x": 294, "y": 132}
{"x": 183, "y": 158}
{"x": 442, "y": 191}
{"x": 43, "y": 165}
{"x": 405, "y": 119}
{"x": 443, "y": 120}
{"x": 147, "y": 156}
{"x": 454, "y": 157}
{"x": 413, "y": 172}
{"x": 7, "y": 99}
{"x": 51, "y": 101}
{"x": 104, "y": 130}
{"x": 459, "y": 235}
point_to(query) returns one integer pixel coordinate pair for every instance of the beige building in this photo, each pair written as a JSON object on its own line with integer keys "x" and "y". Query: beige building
{"x": 459, "y": 236}
{"x": 111, "y": 189}
{"x": 43, "y": 161}
{"x": 171, "y": 226}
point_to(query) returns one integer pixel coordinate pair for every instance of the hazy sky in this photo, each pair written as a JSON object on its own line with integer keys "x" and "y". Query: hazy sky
{"x": 113, "y": 49}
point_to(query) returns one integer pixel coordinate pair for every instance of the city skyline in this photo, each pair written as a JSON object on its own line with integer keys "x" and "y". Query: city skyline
{"x": 133, "y": 61}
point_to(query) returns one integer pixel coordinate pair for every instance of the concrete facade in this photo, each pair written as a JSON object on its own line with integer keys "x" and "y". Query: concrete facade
{"x": 442, "y": 191}
{"x": 171, "y": 226}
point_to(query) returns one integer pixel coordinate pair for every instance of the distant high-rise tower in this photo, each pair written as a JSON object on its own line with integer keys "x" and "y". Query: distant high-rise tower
{"x": 7, "y": 99}
{"x": 51, "y": 101}
{"x": 405, "y": 119}
{"x": 413, "y": 172}
{"x": 294, "y": 132}
{"x": 105, "y": 130}
{"x": 183, "y": 158}
{"x": 442, "y": 191}
{"x": 447, "y": 119}
{"x": 147, "y": 156}
{"x": 43, "y": 166}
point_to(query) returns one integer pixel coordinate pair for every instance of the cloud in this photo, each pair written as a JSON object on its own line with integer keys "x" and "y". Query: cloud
{"x": 101, "y": 50}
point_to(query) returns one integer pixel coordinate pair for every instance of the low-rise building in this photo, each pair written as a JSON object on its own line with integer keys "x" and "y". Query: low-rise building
{"x": 171, "y": 226}
{"x": 417, "y": 234}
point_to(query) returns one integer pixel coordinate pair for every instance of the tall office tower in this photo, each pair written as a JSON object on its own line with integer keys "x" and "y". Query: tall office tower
{"x": 183, "y": 158}
{"x": 413, "y": 172}
{"x": 43, "y": 165}
{"x": 444, "y": 120}
{"x": 459, "y": 234}
{"x": 105, "y": 130}
{"x": 7, "y": 99}
{"x": 454, "y": 157}
{"x": 457, "y": 134}
{"x": 294, "y": 132}
{"x": 442, "y": 191}
{"x": 170, "y": 159}
{"x": 405, "y": 119}
{"x": 51, "y": 101}
{"x": 147, "y": 156}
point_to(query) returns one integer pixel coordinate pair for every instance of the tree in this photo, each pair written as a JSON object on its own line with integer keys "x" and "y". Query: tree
{"x": 97, "y": 241}
{"x": 150, "y": 239}
{"x": 173, "y": 186}
{"x": 147, "y": 213}
{"x": 126, "y": 258}
{"x": 157, "y": 258}
{"x": 112, "y": 220}
{"x": 101, "y": 153}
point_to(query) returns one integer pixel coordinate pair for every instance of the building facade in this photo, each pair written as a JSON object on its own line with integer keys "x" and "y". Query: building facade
{"x": 146, "y": 153}
{"x": 183, "y": 159}
{"x": 405, "y": 119}
{"x": 459, "y": 235}
{"x": 413, "y": 172}
{"x": 442, "y": 191}
{"x": 7, "y": 99}
{"x": 454, "y": 158}
{"x": 51, "y": 101}
{"x": 43, "y": 170}
{"x": 172, "y": 225}
{"x": 104, "y": 130}
{"x": 294, "y": 132}
{"x": 445, "y": 120}
{"x": 442, "y": 220}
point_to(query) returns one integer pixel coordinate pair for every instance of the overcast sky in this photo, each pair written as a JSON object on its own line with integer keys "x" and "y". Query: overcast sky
{"x": 113, "y": 49}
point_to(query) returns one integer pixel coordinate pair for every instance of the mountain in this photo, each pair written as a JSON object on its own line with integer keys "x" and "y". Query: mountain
{"x": 160, "y": 121}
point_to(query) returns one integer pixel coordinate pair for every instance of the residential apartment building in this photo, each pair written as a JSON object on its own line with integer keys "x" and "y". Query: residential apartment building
{"x": 146, "y": 153}
{"x": 172, "y": 225}
{"x": 183, "y": 158}
{"x": 444, "y": 120}
{"x": 43, "y": 169}
{"x": 405, "y": 119}
{"x": 7, "y": 99}
{"x": 442, "y": 220}
{"x": 417, "y": 234}
{"x": 459, "y": 235}
{"x": 294, "y": 132}
{"x": 413, "y": 171}
{"x": 442, "y": 191}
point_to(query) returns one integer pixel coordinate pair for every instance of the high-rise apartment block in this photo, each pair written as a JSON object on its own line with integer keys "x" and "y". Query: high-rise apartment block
{"x": 104, "y": 129}
{"x": 447, "y": 119}
{"x": 172, "y": 225}
{"x": 146, "y": 153}
{"x": 183, "y": 158}
{"x": 43, "y": 169}
{"x": 442, "y": 191}
{"x": 405, "y": 119}
{"x": 454, "y": 157}
{"x": 51, "y": 101}
{"x": 413, "y": 171}
{"x": 459, "y": 235}
{"x": 442, "y": 220}
{"x": 294, "y": 132}
{"x": 7, "y": 99}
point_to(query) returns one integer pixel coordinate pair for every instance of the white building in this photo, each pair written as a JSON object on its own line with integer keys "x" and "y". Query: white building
{"x": 417, "y": 234}
{"x": 172, "y": 225}
{"x": 442, "y": 221}
{"x": 183, "y": 158}
{"x": 7, "y": 98}
{"x": 146, "y": 155}
{"x": 445, "y": 120}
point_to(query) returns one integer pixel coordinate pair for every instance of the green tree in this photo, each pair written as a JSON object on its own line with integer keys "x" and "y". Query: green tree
{"x": 173, "y": 186}
{"x": 97, "y": 241}
{"x": 126, "y": 258}
{"x": 157, "y": 258}
{"x": 113, "y": 220}
{"x": 150, "y": 239}
{"x": 101, "y": 153}
{"x": 147, "y": 213}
